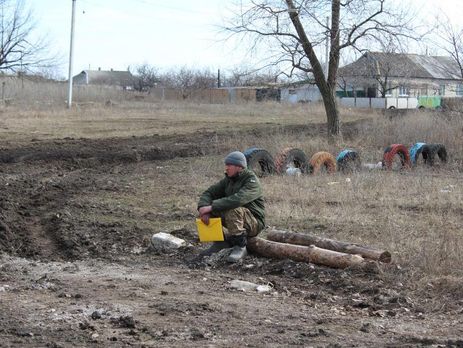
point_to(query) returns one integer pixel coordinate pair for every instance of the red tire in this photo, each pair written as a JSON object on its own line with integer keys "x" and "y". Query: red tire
{"x": 322, "y": 160}
{"x": 396, "y": 150}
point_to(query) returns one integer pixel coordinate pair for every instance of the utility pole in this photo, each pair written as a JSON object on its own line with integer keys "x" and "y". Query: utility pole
{"x": 71, "y": 52}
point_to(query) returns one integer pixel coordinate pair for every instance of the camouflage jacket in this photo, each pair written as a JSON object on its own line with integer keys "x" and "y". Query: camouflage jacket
{"x": 242, "y": 190}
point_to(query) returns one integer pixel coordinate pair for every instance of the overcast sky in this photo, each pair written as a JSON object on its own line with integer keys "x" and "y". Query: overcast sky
{"x": 163, "y": 33}
{"x": 118, "y": 33}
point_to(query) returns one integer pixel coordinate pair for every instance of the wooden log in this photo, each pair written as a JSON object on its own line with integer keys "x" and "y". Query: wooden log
{"x": 330, "y": 244}
{"x": 302, "y": 253}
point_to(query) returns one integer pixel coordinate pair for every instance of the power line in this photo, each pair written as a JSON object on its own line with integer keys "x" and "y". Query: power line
{"x": 155, "y": 15}
{"x": 158, "y": 5}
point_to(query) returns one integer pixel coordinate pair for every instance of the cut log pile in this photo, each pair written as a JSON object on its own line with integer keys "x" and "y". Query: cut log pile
{"x": 309, "y": 248}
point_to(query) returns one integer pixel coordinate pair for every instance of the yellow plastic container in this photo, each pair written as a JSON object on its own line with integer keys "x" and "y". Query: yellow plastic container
{"x": 212, "y": 232}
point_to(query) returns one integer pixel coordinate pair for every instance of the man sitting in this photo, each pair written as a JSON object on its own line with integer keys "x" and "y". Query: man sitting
{"x": 237, "y": 199}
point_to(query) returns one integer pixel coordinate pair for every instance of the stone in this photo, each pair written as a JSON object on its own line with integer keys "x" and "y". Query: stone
{"x": 243, "y": 285}
{"x": 164, "y": 242}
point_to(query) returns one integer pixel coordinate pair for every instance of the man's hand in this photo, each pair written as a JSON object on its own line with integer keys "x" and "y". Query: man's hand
{"x": 205, "y": 218}
{"x": 205, "y": 213}
{"x": 207, "y": 209}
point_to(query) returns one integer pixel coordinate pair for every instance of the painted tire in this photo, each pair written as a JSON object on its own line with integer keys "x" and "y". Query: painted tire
{"x": 396, "y": 150}
{"x": 322, "y": 160}
{"x": 430, "y": 151}
{"x": 260, "y": 161}
{"x": 415, "y": 152}
{"x": 348, "y": 161}
{"x": 290, "y": 157}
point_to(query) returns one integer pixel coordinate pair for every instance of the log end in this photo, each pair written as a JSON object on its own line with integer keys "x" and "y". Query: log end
{"x": 385, "y": 257}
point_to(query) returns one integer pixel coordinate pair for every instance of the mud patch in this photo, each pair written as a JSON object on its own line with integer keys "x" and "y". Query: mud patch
{"x": 85, "y": 152}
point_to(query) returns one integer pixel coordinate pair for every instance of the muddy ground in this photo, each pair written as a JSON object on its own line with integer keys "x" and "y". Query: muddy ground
{"x": 69, "y": 280}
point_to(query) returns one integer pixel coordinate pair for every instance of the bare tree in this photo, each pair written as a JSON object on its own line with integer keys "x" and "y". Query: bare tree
{"x": 187, "y": 80}
{"x": 296, "y": 31}
{"x": 450, "y": 39}
{"x": 383, "y": 77}
{"x": 147, "y": 77}
{"x": 386, "y": 79}
{"x": 240, "y": 77}
{"x": 19, "y": 50}
{"x": 390, "y": 69}
{"x": 50, "y": 73}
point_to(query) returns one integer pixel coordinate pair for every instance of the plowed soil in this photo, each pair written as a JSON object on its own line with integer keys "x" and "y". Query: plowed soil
{"x": 70, "y": 279}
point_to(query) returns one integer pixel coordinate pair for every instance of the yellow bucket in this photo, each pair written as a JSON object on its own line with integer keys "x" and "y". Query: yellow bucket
{"x": 212, "y": 232}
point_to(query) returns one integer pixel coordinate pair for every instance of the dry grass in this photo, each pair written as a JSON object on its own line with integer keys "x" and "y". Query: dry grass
{"x": 417, "y": 126}
{"x": 416, "y": 215}
{"x": 138, "y": 119}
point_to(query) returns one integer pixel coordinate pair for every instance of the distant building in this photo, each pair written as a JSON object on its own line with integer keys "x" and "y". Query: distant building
{"x": 113, "y": 78}
{"x": 380, "y": 74}
{"x": 301, "y": 92}
{"x": 297, "y": 92}
{"x": 240, "y": 94}
{"x": 268, "y": 94}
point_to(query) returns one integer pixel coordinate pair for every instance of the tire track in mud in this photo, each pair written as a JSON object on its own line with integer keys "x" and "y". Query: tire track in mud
{"x": 51, "y": 213}
{"x": 32, "y": 209}
{"x": 90, "y": 152}
{"x": 44, "y": 224}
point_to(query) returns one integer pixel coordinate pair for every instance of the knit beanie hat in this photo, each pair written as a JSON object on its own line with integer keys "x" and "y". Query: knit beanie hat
{"x": 237, "y": 158}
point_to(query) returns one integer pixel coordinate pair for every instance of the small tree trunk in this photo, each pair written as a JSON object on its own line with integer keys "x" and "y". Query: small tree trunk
{"x": 325, "y": 84}
{"x": 301, "y": 253}
{"x": 325, "y": 243}
{"x": 332, "y": 115}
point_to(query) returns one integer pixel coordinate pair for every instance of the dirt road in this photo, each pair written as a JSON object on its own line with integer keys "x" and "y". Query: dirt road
{"x": 77, "y": 271}
{"x": 152, "y": 301}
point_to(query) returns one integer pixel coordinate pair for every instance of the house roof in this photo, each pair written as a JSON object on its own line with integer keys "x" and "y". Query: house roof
{"x": 402, "y": 65}
{"x": 111, "y": 77}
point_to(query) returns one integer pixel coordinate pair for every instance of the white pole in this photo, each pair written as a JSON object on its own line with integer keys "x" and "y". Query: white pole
{"x": 71, "y": 51}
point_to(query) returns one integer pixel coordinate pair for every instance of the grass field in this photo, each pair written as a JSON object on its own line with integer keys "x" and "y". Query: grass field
{"x": 416, "y": 214}
{"x": 83, "y": 191}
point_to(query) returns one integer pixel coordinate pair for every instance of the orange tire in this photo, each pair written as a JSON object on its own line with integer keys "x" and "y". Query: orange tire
{"x": 396, "y": 150}
{"x": 290, "y": 157}
{"x": 322, "y": 160}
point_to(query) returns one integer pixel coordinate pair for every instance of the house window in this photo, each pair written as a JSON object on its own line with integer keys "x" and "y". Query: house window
{"x": 423, "y": 91}
{"x": 459, "y": 91}
{"x": 403, "y": 91}
{"x": 292, "y": 91}
{"x": 442, "y": 90}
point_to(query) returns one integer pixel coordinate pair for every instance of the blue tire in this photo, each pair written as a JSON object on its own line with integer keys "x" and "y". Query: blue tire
{"x": 348, "y": 160}
{"x": 415, "y": 152}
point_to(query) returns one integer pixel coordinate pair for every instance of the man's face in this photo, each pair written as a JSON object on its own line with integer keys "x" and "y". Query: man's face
{"x": 231, "y": 170}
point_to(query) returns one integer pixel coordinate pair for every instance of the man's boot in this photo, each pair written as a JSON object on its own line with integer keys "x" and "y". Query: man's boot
{"x": 215, "y": 248}
{"x": 239, "y": 250}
